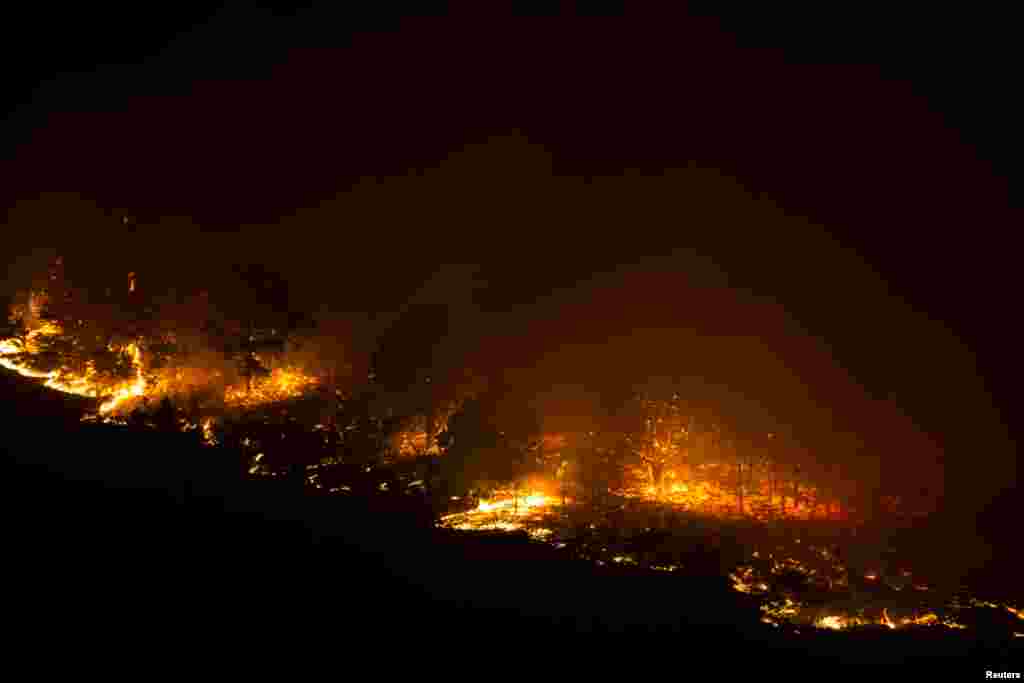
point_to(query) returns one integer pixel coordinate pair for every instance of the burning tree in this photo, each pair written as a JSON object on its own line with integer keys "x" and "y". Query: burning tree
{"x": 660, "y": 436}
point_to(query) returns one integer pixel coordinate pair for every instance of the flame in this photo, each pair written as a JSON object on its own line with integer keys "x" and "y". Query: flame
{"x": 135, "y": 389}
{"x": 283, "y": 384}
{"x": 714, "y": 497}
{"x": 85, "y": 384}
{"x": 118, "y": 398}
{"x": 208, "y": 435}
{"x": 486, "y": 506}
{"x": 925, "y": 620}
{"x": 747, "y": 580}
{"x": 711, "y": 497}
{"x": 506, "y": 512}
{"x": 29, "y": 345}
{"x": 833, "y": 622}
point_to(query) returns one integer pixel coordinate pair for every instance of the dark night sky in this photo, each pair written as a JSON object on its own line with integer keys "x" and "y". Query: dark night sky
{"x": 806, "y": 217}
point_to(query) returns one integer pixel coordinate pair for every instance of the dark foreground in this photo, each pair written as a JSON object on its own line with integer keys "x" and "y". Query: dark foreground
{"x": 140, "y": 540}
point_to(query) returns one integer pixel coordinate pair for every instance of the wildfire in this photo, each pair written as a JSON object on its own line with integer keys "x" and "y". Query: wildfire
{"x": 713, "y": 497}
{"x": 833, "y": 622}
{"x": 824, "y": 567}
{"x": 505, "y": 512}
{"x": 86, "y": 383}
{"x": 282, "y": 385}
{"x": 29, "y": 345}
{"x": 778, "y": 611}
{"x": 789, "y": 611}
{"x": 10, "y": 347}
{"x": 925, "y": 620}
{"x": 70, "y": 383}
{"x": 134, "y": 389}
{"x": 122, "y": 396}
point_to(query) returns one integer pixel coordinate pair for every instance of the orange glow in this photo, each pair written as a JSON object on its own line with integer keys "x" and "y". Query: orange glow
{"x": 135, "y": 389}
{"x": 119, "y": 398}
{"x": 833, "y": 622}
{"x": 80, "y": 384}
{"x": 715, "y": 497}
{"x": 506, "y": 512}
{"x": 282, "y": 385}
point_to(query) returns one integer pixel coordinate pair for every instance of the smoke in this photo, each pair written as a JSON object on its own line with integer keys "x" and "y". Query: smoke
{"x": 327, "y": 348}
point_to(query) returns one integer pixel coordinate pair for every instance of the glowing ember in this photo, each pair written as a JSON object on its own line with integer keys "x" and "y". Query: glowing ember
{"x": 778, "y": 611}
{"x": 208, "y": 435}
{"x": 744, "y": 581}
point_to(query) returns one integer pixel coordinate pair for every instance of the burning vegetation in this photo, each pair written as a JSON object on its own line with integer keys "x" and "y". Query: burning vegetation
{"x": 122, "y": 394}
{"x": 127, "y": 368}
{"x": 506, "y": 510}
{"x": 658, "y": 465}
